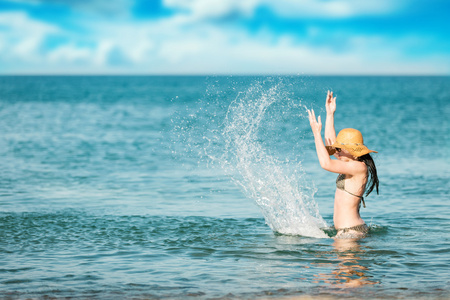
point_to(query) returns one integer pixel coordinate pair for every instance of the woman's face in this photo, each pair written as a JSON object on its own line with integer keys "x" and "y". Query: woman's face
{"x": 344, "y": 155}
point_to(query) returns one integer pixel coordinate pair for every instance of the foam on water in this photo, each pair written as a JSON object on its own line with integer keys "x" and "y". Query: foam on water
{"x": 285, "y": 198}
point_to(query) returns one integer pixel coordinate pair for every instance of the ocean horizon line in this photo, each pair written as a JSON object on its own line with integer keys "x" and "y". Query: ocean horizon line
{"x": 218, "y": 75}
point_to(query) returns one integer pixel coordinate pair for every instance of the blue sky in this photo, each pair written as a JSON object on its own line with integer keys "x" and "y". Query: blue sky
{"x": 315, "y": 37}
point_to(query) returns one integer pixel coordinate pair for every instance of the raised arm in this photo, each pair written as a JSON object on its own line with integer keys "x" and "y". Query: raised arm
{"x": 332, "y": 165}
{"x": 330, "y": 132}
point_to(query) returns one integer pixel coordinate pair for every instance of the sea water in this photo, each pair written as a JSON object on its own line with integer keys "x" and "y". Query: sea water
{"x": 209, "y": 187}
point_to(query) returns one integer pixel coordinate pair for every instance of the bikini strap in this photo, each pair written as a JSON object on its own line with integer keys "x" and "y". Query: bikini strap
{"x": 362, "y": 198}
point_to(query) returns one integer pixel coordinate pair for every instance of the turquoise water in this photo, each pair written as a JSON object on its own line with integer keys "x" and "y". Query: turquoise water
{"x": 209, "y": 187}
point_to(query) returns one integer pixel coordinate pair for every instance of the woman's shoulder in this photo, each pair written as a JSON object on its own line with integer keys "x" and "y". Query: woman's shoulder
{"x": 358, "y": 167}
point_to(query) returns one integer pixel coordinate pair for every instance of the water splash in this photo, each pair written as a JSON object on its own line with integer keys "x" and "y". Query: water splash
{"x": 284, "y": 196}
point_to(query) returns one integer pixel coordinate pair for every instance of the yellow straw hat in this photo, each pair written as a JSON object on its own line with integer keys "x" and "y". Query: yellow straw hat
{"x": 351, "y": 140}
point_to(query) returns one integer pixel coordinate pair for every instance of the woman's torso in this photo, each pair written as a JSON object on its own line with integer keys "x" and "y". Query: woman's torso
{"x": 346, "y": 205}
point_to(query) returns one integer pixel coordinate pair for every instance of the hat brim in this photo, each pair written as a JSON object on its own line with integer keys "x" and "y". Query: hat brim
{"x": 355, "y": 150}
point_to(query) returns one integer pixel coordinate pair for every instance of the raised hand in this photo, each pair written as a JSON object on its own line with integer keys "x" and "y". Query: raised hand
{"x": 330, "y": 103}
{"x": 316, "y": 126}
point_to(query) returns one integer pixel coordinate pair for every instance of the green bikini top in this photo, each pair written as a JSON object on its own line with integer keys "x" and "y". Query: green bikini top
{"x": 340, "y": 184}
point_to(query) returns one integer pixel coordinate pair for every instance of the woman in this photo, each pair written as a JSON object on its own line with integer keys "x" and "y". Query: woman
{"x": 355, "y": 166}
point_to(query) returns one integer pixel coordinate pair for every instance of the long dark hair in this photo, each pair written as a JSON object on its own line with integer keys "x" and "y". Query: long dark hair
{"x": 372, "y": 180}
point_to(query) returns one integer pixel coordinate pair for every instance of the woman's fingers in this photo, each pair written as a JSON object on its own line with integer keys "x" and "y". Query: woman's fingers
{"x": 311, "y": 119}
{"x": 315, "y": 125}
{"x": 311, "y": 116}
{"x": 330, "y": 98}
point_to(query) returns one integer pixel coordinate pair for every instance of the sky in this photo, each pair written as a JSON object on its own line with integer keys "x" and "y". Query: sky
{"x": 242, "y": 37}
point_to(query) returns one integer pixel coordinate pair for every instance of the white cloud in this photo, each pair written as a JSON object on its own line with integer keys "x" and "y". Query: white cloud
{"x": 23, "y": 36}
{"x": 333, "y": 8}
{"x": 183, "y": 44}
{"x": 116, "y": 8}
{"x": 69, "y": 54}
{"x": 206, "y": 9}
{"x": 248, "y": 55}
